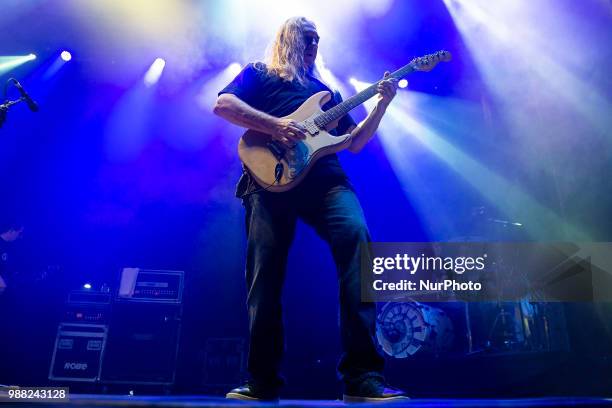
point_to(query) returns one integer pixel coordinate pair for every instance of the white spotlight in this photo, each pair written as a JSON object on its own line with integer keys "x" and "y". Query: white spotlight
{"x": 11, "y": 61}
{"x": 358, "y": 85}
{"x": 87, "y": 286}
{"x": 234, "y": 68}
{"x": 154, "y": 72}
{"x": 402, "y": 83}
{"x": 66, "y": 55}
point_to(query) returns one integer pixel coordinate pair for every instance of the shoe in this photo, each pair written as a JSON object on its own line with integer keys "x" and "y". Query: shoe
{"x": 249, "y": 392}
{"x": 373, "y": 389}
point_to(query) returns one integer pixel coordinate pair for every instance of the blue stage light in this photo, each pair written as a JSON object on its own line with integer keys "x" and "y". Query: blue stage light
{"x": 87, "y": 286}
{"x": 66, "y": 56}
{"x": 402, "y": 83}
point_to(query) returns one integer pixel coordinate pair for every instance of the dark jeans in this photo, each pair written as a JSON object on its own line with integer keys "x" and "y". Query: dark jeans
{"x": 336, "y": 215}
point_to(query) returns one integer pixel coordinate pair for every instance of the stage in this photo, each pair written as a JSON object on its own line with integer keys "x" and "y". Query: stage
{"x": 193, "y": 401}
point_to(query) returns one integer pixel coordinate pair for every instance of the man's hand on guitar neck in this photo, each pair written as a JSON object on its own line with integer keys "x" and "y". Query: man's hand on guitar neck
{"x": 360, "y": 135}
{"x": 387, "y": 89}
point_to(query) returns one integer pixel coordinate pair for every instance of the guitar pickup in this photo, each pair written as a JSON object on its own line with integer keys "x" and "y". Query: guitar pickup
{"x": 276, "y": 150}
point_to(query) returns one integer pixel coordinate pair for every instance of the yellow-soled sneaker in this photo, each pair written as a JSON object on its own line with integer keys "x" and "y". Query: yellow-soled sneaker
{"x": 249, "y": 392}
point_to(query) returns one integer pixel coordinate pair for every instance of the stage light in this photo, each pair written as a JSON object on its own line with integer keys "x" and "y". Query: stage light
{"x": 87, "y": 286}
{"x": 567, "y": 108}
{"x": 234, "y": 68}
{"x": 154, "y": 72}
{"x": 358, "y": 85}
{"x": 426, "y": 122}
{"x": 9, "y": 62}
{"x": 529, "y": 36}
{"x": 402, "y": 83}
{"x": 208, "y": 94}
{"x": 328, "y": 76}
{"x": 57, "y": 64}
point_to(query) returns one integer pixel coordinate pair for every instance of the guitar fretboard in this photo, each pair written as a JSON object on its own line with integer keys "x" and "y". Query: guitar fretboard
{"x": 351, "y": 103}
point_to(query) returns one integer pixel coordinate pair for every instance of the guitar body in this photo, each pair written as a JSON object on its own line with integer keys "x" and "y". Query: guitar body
{"x": 262, "y": 156}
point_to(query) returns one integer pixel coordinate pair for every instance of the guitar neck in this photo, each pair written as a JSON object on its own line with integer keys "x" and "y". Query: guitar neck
{"x": 351, "y": 103}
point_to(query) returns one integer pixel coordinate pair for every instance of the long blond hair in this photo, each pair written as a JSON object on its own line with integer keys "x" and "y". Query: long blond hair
{"x": 286, "y": 54}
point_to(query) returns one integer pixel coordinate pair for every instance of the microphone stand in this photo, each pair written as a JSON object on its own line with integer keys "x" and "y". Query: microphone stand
{"x": 8, "y": 103}
{"x": 5, "y": 107}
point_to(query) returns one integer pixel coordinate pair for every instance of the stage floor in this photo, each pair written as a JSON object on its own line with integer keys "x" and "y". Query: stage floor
{"x": 93, "y": 400}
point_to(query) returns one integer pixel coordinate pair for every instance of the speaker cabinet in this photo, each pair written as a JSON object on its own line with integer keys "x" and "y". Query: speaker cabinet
{"x": 142, "y": 344}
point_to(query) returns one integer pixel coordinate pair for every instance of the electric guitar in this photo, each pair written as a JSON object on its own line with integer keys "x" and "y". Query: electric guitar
{"x": 278, "y": 168}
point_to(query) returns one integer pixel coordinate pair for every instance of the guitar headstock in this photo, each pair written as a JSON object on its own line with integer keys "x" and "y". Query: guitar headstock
{"x": 429, "y": 61}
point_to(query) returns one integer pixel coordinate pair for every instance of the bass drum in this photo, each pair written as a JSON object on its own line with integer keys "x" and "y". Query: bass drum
{"x": 404, "y": 329}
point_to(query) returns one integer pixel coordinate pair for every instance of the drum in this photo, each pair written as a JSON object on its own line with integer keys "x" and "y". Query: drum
{"x": 404, "y": 329}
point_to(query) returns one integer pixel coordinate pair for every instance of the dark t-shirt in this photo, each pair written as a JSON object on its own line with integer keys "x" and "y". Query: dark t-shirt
{"x": 271, "y": 94}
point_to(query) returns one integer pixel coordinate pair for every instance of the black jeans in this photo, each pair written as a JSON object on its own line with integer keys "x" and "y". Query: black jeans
{"x": 336, "y": 215}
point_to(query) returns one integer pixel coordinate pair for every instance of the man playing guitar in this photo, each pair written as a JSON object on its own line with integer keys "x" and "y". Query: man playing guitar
{"x": 257, "y": 99}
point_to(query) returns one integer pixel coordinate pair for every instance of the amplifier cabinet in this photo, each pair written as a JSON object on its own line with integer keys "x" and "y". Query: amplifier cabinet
{"x": 150, "y": 286}
{"x": 142, "y": 344}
